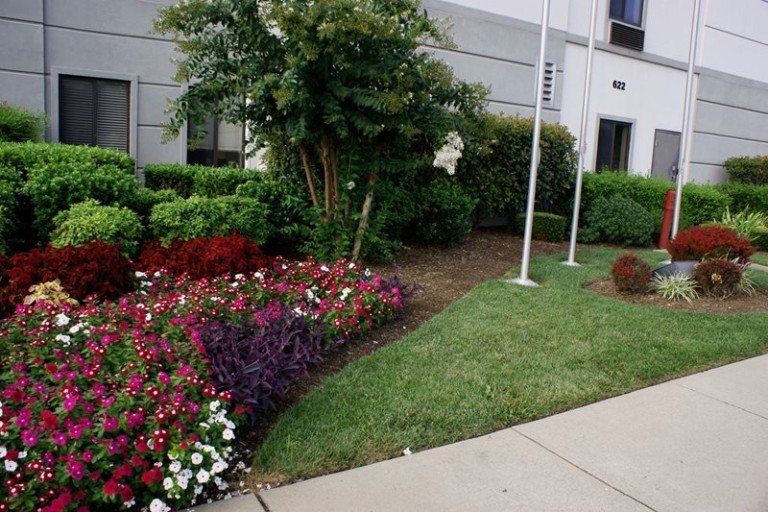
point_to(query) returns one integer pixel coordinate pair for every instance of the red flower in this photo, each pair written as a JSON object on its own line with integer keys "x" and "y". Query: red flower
{"x": 110, "y": 487}
{"x": 50, "y": 420}
{"x": 152, "y": 476}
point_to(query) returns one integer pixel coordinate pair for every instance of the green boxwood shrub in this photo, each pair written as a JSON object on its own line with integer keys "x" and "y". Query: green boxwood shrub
{"x": 55, "y": 187}
{"x": 495, "y": 163}
{"x": 202, "y": 216}
{"x": 19, "y": 124}
{"x": 746, "y": 197}
{"x": 176, "y": 177}
{"x": 89, "y": 221}
{"x": 444, "y": 213}
{"x": 146, "y": 199}
{"x": 751, "y": 170}
{"x": 546, "y": 226}
{"x": 220, "y": 181}
{"x": 617, "y": 220}
{"x": 289, "y": 213}
{"x": 10, "y": 186}
{"x": 25, "y": 156}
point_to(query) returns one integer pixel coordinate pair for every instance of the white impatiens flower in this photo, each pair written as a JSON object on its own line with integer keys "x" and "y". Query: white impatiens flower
{"x": 62, "y": 319}
{"x": 63, "y": 338}
{"x": 3, "y": 452}
{"x": 158, "y": 506}
{"x": 218, "y": 467}
{"x": 197, "y": 459}
{"x": 11, "y": 466}
{"x": 214, "y": 406}
{"x": 447, "y": 156}
{"x": 175, "y": 466}
{"x": 168, "y": 484}
{"x": 228, "y": 434}
{"x": 203, "y": 476}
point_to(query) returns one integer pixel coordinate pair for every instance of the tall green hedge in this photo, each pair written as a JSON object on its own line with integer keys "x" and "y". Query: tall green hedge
{"x": 199, "y": 180}
{"x": 24, "y": 156}
{"x": 10, "y": 187}
{"x": 752, "y": 170}
{"x": 18, "y": 124}
{"x": 746, "y": 197}
{"x": 494, "y": 167}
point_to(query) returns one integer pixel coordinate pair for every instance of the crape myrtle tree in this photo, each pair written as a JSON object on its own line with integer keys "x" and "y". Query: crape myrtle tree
{"x": 330, "y": 76}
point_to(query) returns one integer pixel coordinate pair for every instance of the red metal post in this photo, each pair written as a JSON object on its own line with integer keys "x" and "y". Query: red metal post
{"x": 666, "y": 223}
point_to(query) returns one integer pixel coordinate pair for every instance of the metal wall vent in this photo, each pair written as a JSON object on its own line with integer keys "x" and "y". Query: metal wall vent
{"x": 548, "y": 87}
{"x": 629, "y": 37}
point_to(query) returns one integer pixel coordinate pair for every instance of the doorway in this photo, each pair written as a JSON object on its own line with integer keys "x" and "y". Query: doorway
{"x": 613, "y": 143}
{"x": 666, "y": 155}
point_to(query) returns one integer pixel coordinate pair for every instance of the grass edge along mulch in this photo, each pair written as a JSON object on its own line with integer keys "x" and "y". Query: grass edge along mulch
{"x": 499, "y": 356}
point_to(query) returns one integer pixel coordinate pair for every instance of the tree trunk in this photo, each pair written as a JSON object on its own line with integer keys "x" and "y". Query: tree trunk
{"x": 307, "y": 164}
{"x": 364, "y": 216}
{"x": 329, "y": 157}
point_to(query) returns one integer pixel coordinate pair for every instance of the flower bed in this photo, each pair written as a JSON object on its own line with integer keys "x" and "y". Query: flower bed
{"x": 117, "y": 404}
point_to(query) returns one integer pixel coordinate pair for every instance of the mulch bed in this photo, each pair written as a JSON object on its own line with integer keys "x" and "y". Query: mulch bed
{"x": 443, "y": 274}
{"x": 757, "y": 303}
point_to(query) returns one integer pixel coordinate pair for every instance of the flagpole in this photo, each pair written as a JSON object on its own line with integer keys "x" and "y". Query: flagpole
{"x": 683, "y": 160}
{"x": 582, "y": 138}
{"x": 524, "y": 280}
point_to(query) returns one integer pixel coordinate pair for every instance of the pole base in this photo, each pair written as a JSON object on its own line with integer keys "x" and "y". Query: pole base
{"x": 523, "y": 282}
{"x": 570, "y": 263}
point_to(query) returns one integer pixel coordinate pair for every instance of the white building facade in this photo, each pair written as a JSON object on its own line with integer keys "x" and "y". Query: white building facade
{"x": 639, "y": 75}
{"x": 69, "y": 56}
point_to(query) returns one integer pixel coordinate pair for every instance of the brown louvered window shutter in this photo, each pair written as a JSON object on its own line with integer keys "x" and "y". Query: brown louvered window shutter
{"x": 94, "y": 112}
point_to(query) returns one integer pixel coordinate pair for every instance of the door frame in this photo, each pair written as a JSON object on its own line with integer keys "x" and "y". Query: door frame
{"x": 631, "y": 149}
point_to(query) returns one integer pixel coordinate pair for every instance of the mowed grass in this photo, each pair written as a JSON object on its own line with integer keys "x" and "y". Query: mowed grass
{"x": 760, "y": 258}
{"x": 500, "y": 356}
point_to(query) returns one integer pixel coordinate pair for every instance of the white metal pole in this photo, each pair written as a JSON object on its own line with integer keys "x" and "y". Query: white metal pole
{"x": 582, "y": 137}
{"x": 524, "y": 280}
{"x": 683, "y": 161}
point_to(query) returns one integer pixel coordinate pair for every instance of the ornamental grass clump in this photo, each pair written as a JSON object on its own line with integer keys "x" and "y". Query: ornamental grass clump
{"x": 630, "y": 274}
{"x": 718, "y": 277}
{"x": 676, "y": 287}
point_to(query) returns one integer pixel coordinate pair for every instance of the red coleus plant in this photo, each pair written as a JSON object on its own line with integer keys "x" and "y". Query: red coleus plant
{"x": 708, "y": 242}
{"x": 204, "y": 257}
{"x": 630, "y": 274}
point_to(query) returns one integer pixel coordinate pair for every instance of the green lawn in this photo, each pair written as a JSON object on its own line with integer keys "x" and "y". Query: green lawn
{"x": 760, "y": 258}
{"x": 499, "y": 356}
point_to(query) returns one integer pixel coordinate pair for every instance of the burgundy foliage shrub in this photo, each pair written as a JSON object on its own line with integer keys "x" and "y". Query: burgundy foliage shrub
{"x": 204, "y": 257}
{"x": 97, "y": 268}
{"x": 718, "y": 277}
{"x": 630, "y": 274}
{"x": 258, "y": 362}
{"x": 709, "y": 242}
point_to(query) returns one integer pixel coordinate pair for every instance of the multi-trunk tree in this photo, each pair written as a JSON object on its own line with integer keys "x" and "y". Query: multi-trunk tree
{"x": 331, "y": 76}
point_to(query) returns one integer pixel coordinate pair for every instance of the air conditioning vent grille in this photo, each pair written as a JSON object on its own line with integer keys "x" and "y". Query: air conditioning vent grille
{"x": 548, "y": 87}
{"x": 629, "y": 37}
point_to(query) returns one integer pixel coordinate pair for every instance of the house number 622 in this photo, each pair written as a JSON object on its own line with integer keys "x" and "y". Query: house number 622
{"x": 619, "y": 85}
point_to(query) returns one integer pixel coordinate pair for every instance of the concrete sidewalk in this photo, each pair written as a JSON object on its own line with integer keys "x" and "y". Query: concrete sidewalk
{"x": 699, "y": 443}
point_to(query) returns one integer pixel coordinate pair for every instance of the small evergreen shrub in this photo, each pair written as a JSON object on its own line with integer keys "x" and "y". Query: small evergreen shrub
{"x": 25, "y": 156}
{"x": 709, "y": 242}
{"x": 751, "y": 170}
{"x": 176, "y": 177}
{"x": 760, "y": 240}
{"x": 89, "y": 221}
{"x": 204, "y": 257}
{"x": 96, "y": 268}
{"x": 630, "y": 274}
{"x": 746, "y": 197}
{"x": 220, "y": 181}
{"x": 200, "y": 216}
{"x": 718, "y": 277}
{"x": 546, "y": 226}
{"x": 55, "y": 187}
{"x": 617, "y": 220}
{"x": 10, "y": 189}
{"x": 444, "y": 216}
{"x": 19, "y": 124}
{"x": 146, "y": 199}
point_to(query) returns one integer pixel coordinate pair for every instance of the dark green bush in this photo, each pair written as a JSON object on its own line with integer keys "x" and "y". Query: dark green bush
{"x": 10, "y": 186}
{"x": 746, "y": 197}
{"x": 89, "y": 221}
{"x": 19, "y": 124}
{"x": 24, "y": 156}
{"x": 202, "y": 216}
{"x": 220, "y": 181}
{"x": 444, "y": 213}
{"x": 289, "y": 213}
{"x": 494, "y": 166}
{"x": 760, "y": 239}
{"x": 701, "y": 203}
{"x": 546, "y": 226}
{"x": 178, "y": 177}
{"x": 55, "y": 187}
{"x": 146, "y": 199}
{"x": 617, "y": 220}
{"x": 751, "y": 170}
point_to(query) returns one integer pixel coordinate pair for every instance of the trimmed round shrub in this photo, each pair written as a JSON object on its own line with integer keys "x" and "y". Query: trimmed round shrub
{"x": 204, "y": 257}
{"x": 630, "y": 274}
{"x": 200, "y": 216}
{"x": 89, "y": 221}
{"x": 54, "y": 188}
{"x": 289, "y": 213}
{"x": 546, "y": 226}
{"x": 444, "y": 216}
{"x": 718, "y": 277}
{"x": 96, "y": 268}
{"x": 709, "y": 242}
{"x": 176, "y": 177}
{"x": 617, "y": 220}
{"x": 146, "y": 199}
{"x": 18, "y": 124}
